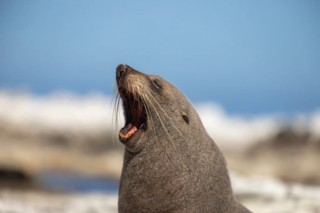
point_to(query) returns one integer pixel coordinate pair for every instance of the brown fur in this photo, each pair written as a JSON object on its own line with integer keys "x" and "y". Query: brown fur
{"x": 173, "y": 166}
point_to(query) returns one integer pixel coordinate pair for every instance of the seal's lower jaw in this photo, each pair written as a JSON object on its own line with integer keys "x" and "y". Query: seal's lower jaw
{"x": 135, "y": 116}
{"x": 129, "y": 131}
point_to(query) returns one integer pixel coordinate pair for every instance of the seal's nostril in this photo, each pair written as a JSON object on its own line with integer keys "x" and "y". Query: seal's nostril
{"x": 121, "y": 73}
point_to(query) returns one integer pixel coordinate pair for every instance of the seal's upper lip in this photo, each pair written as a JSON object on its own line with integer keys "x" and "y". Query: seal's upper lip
{"x": 135, "y": 115}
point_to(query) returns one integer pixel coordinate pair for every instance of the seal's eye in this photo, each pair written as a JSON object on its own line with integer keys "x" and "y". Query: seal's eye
{"x": 156, "y": 85}
{"x": 186, "y": 119}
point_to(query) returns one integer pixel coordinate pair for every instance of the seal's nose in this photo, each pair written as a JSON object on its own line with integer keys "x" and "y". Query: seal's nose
{"x": 121, "y": 71}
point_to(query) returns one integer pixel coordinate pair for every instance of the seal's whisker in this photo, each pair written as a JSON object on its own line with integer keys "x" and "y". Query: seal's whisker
{"x": 146, "y": 105}
{"x": 115, "y": 115}
{"x": 118, "y": 126}
{"x": 150, "y": 116}
{"x": 170, "y": 120}
{"x": 113, "y": 101}
{"x": 116, "y": 109}
{"x": 114, "y": 90}
{"x": 146, "y": 102}
{"x": 166, "y": 130}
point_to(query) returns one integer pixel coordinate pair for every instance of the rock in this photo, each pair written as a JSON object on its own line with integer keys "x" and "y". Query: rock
{"x": 260, "y": 194}
{"x": 31, "y": 202}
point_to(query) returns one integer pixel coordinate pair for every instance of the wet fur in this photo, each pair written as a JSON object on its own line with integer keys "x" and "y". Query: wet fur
{"x": 172, "y": 166}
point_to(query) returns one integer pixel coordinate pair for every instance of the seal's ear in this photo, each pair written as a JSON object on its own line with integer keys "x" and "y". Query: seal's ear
{"x": 185, "y": 117}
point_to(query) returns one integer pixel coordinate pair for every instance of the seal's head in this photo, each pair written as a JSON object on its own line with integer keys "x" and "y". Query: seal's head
{"x": 151, "y": 105}
{"x": 170, "y": 162}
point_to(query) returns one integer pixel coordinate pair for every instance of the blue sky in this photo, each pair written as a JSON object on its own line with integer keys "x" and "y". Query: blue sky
{"x": 251, "y": 57}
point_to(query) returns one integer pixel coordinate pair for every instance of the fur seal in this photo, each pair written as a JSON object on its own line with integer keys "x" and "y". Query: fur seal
{"x": 170, "y": 162}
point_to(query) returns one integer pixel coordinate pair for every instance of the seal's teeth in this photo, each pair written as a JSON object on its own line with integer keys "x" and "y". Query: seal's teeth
{"x": 121, "y": 135}
{"x": 128, "y": 134}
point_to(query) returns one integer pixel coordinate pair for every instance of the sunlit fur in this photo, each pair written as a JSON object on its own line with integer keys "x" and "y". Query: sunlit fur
{"x": 173, "y": 166}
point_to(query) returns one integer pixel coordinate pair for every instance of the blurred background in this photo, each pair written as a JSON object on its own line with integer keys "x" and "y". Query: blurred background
{"x": 251, "y": 69}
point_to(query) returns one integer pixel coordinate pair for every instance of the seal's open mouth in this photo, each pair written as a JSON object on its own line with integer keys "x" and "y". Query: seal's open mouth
{"x": 135, "y": 115}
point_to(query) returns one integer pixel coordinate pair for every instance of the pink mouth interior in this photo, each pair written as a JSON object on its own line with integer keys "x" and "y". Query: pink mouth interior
{"x": 138, "y": 119}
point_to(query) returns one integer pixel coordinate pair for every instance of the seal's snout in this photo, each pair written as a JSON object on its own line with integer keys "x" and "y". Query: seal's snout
{"x": 134, "y": 109}
{"x": 121, "y": 71}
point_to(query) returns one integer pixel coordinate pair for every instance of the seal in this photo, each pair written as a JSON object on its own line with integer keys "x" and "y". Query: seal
{"x": 170, "y": 162}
